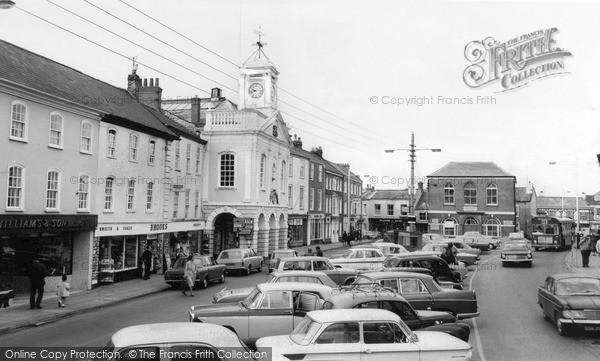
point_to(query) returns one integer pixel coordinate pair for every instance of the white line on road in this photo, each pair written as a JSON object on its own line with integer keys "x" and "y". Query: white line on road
{"x": 477, "y": 338}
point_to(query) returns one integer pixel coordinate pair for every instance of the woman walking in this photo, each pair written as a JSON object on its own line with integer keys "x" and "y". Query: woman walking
{"x": 190, "y": 275}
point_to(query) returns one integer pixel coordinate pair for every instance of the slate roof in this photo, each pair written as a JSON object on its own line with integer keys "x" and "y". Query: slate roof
{"x": 182, "y": 108}
{"x": 593, "y": 200}
{"x": 557, "y": 202}
{"x": 471, "y": 169}
{"x": 387, "y": 194}
{"x": 521, "y": 194}
{"x": 36, "y": 72}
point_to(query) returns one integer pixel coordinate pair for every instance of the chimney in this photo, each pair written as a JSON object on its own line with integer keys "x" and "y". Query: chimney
{"x": 196, "y": 115}
{"x": 420, "y": 186}
{"x": 297, "y": 142}
{"x": 151, "y": 94}
{"x": 318, "y": 151}
{"x": 215, "y": 94}
{"x": 134, "y": 83}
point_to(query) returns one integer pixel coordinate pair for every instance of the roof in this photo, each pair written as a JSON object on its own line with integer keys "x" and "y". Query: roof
{"x": 561, "y": 202}
{"x": 355, "y": 314}
{"x": 294, "y": 286}
{"x": 593, "y": 200}
{"x": 298, "y": 273}
{"x": 471, "y": 169}
{"x": 393, "y": 274}
{"x": 36, "y": 72}
{"x": 215, "y": 335}
{"x": 388, "y": 194}
{"x": 305, "y": 258}
{"x": 574, "y": 275}
{"x": 521, "y": 194}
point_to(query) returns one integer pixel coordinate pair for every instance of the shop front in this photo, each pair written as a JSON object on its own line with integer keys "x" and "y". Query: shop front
{"x": 383, "y": 225}
{"x": 118, "y": 248}
{"x": 316, "y": 223}
{"x": 297, "y": 230}
{"x": 61, "y": 242}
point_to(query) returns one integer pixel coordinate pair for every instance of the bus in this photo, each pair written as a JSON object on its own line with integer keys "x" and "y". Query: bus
{"x": 552, "y": 232}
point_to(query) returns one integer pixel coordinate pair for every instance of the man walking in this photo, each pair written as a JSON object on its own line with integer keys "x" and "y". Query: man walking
{"x": 319, "y": 252}
{"x": 147, "y": 259}
{"x": 37, "y": 279}
{"x": 585, "y": 245}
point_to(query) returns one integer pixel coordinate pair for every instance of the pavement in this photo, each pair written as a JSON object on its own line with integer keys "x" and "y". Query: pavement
{"x": 574, "y": 263}
{"x": 19, "y": 315}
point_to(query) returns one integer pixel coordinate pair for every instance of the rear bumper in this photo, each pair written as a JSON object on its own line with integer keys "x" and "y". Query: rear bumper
{"x": 462, "y": 316}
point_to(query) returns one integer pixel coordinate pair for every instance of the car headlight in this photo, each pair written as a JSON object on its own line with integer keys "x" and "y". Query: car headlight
{"x": 502, "y": 255}
{"x": 529, "y": 255}
{"x": 573, "y": 314}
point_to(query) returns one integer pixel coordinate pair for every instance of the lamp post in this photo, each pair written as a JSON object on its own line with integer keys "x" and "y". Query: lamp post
{"x": 576, "y": 215}
{"x": 412, "y": 159}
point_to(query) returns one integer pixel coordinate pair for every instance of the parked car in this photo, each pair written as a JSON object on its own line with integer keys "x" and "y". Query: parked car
{"x": 516, "y": 252}
{"x": 389, "y": 248}
{"x": 270, "y": 309}
{"x": 478, "y": 240}
{"x": 371, "y": 234}
{"x": 381, "y": 298}
{"x": 360, "y": 258}
{"x": 363, "y": 335}
{"x": 207, "y": 270}
{"x": 443, "y": 274}
{"x": 439, "y": 249}
{"x": 172, "y": 340}
{"x": 283, "y": 253}
{"x": 241, "y": 259}
{"x": 462, "y": 246}
{"x": 339, "y": 275}
{"x": 239, "y": 294}
{"x": 571, "y": 300}
{"x": 422, "y": 292}
{"x": 432, "y": 237}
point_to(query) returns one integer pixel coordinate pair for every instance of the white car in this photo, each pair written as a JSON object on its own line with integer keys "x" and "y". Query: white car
{"x": 360, "y": 258}
{"x": 388, "y": 248}
{"x": 363, "y": 335}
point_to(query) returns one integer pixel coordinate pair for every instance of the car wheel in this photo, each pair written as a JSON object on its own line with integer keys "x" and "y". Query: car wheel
{"x": 204, "y": 283}
{"x": 222, "y": 278}
{"x": 561, "y": 328}
{"x": 349, "y": 281}
{"x": 248, "y": 270}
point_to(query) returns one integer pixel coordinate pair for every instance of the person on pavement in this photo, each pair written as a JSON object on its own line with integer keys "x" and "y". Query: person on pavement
{"x": 319, "y": 252}
{"x": 309, "y": 252}
{"x": 147, "y": 260}
{"x": 585, "y": 246}
{"x": 37, "y": 278}
{"x": 190, "y": 275}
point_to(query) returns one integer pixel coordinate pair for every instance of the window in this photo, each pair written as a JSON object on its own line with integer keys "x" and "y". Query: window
{"x": 378, "y": 209}
{"x": 151, "y": 152}
{"x": 290, "y": 197}
{"x": 108, "y": 194}
{"x": 383, "y": 332}
{"x": 320, "y": 199}
{"x": 283, "y": 168}
{"x": 149, "y": 195}
{"x": 18, "y": 124}
{"x": 412, "y": 285}
{"x": 187, "y": 203}
{"x": 312, "y": 171}
{"x": 277, "y": 299}
{"x": 227, "y": 170}
{"x": 470, "y": 193}
{"x": 188, "y": 158}
{"x": 301, "y": 198}
{"x": 197, "y": 205}
{"x": 448, "y": 193}
{"x": 390, "y": 209}
{"x": 320, "y": 173}
{"x": 449, "y": 227}
{"x": 302, "y": 168}
{"x": 86, "y": 137}
{"x": 263, "y": 164}
{"x": 492, "y": 195}
{"x": 198, "y": 159}
{"x": 56, "y": 130}
{"x": 175, "y": 205}
{"x": 83, "y": 193}
{"x": 492, "y": 227}
{"x": 52, "y": 196}
{"x": 311, "y": 199}
{"x": 111, "y": 143}
{"x": 291, "y": 169}
{"x": 274, "y": 176}
{"x": 340, "y": 333}
{"x": 130, "y": 194}
{"x": 133, "y": 147}
{"x": 176, "y": 146}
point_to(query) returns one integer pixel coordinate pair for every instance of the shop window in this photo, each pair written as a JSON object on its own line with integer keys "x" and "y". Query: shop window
{"x": 122, "y": 250}
{"x": 55, "y": 251}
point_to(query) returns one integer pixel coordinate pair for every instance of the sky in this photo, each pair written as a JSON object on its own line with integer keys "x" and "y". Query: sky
{"x": 348, "y": 72}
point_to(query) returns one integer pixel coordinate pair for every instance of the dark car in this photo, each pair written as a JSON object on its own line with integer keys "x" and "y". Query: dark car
{"x": 440, "y": 270}
{"x": 339, "y": 275}
{"x": 571, "y": 301}
{"x": 207, "y": 270}
{"x": 422, "y": 292}
{"x": 379, "y": 298}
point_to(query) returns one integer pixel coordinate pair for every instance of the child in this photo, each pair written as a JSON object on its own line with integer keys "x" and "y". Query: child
{"x": 63, "y": 291}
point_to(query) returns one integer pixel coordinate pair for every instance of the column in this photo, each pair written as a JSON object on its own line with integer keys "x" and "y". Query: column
{"x": 283, "y": 235}
{"x": 273, "y": 239}
{"x": 263, "y": 242}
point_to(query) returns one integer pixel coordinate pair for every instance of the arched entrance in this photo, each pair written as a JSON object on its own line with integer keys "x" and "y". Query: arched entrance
{"x": 224, "y": 237}
{"x": 471, "y": 224}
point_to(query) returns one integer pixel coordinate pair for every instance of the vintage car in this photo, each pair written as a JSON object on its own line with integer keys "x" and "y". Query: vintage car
{"x": 422, "y": 292}
{"x": 360, "y": 258}
{"x": 360, "y": 334}
{"x": 282, "y": 253}
{"x": 270, "y": 309}
{"x": 207, "y": 270}
{"x": 389, "y": 248}
{"x": 443, "y": 274}
{"x": 479, "y": 241}
{"x": 381, "y": 298}
{"x": 463, "y": 247}
{"x": 241, "y": 259}
{"x": 175, "y": 338}
{"x": 571, "y": 300}
{"x": 432, "y": 237}
{"x": 239, "y": 294}
{"x": 439, "y": 249}
{"x": 516, "y": 252}
{"x": 339, "y": 275}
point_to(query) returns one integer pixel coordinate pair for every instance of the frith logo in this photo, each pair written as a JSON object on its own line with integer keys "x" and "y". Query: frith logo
{"x": 516, "y": 62}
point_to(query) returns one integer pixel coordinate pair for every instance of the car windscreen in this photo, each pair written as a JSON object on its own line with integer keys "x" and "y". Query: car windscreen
{"x": 231, "y": 255}
{"x": 515, "y": 247}
{"x": 578, "y": 286}
{"x": 305, "y": 331}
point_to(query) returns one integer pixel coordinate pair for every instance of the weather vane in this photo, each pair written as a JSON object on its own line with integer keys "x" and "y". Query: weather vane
{"x": 259, "y": 43}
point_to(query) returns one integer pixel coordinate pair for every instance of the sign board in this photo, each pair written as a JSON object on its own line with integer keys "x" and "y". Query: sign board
{"x": 470, "y": 208}
{"x": 243, "y": 225}
{"x": 434, "y": 226}
{"x": 508, "y": 223}
{"x": 177, "y": 187}
{"x": 295, "y": 221}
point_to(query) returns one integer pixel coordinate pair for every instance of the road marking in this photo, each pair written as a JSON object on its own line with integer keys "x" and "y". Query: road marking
{"x": 477, "y": 337}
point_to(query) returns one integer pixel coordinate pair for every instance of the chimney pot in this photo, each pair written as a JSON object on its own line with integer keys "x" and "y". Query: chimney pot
{"x": 151, "y": 82}
{"x": 145, "y": 82}
{"x": 157, "y": 82}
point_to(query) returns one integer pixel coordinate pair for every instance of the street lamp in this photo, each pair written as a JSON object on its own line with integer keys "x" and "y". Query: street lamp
{"x": 576, "y": 193}
{"x": 412, "y": 159}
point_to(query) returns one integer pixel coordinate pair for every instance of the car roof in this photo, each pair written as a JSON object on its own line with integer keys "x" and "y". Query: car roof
{"x": 393, "y": 274}
{"x": 354, "y": 314}
{"x": 352, "y": 297}
{"x": 364, "y": 246}
{"x": 156, "y": 333}
{"x": 293, "y": 286}
{"x": 574, "y": 275}
{"x": 235, "y": 249}
{"x": 305, "y": 258}
{"x": 299, "y": 273}
{"x": 414, "y": 255}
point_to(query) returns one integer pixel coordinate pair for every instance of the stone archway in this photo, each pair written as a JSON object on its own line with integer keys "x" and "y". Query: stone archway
{"x": 219, "y": 229}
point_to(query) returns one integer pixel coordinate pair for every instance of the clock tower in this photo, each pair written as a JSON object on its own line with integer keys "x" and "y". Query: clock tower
{"x": 258, "y": 80}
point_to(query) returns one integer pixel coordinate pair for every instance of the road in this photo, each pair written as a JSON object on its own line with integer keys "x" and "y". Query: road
{"x": 510, "y": 326}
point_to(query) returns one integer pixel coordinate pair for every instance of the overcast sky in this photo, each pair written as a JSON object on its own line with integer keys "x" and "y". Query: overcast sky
{"x": 340, "y": 55}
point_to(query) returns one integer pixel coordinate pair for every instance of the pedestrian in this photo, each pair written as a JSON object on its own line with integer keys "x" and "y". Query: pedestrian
{"x": 289, "y": 242}
{"x": 598, "y": 244}
{"x": 190, "y": 275}
{"x": 319, "y": 252}
{"x": 147, "y": 260}
{"x": 448, "y": 255}
{"x": 6, "y": 293}
{"x": 585, "y": 245}
{"x": 345, "y": 238}
{"x": 63, "y": 291}
{"x": 37, "y": 279}
{"x": 180, "y": 253}
{"x": 594, "y": 238}
{"x": 309, "y": 252}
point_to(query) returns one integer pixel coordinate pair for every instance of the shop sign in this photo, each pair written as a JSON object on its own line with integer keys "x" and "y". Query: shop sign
{"x": 434, "y": 226}
{"x": 508, "y": 223}
{"x": 48, "y": 222}
{"x": 295, "y": 221}
{"x": 316, "y": 216}
{"x": 243, "y": 226}
{"x": 469, "y": 208}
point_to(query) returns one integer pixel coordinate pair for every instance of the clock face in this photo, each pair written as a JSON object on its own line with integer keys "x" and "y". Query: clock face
{"x": 255, "y": 90}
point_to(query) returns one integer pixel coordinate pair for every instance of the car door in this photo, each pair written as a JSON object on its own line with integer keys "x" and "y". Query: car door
{"x": 273, "y": 316}
{"x": 387, "y": 341}
{"x": 305, "y": 302}
{"x": 337, "y": 341}
{"x": 213, "y": 270}
{"x": 416, "y": 293}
